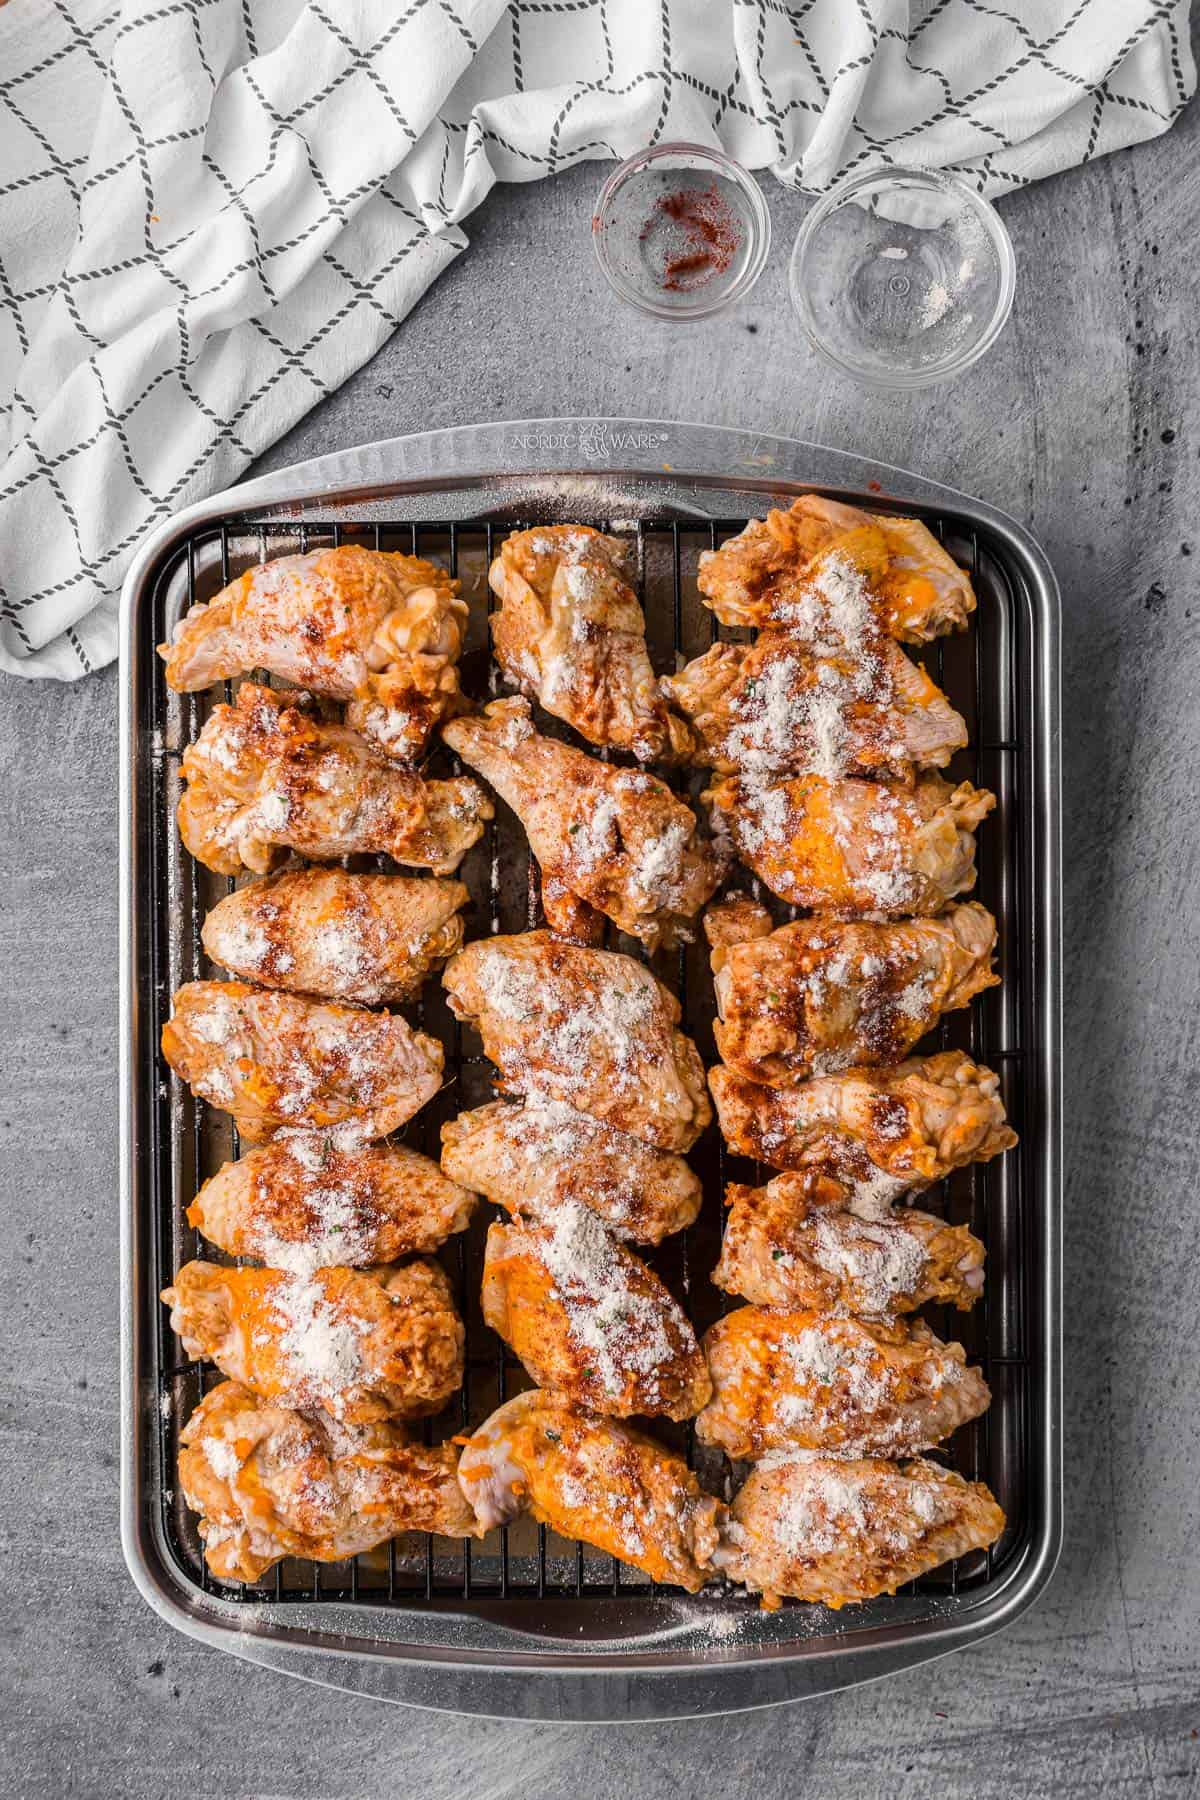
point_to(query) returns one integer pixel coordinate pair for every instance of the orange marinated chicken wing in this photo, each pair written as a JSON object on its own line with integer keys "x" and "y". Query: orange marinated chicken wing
{"x": 275, "y": 1060}
{"x": 368, "y": 938}
{"x": 596, "y": 1480}
{"x": 813, "y": 1380}
{"x": 588, "y": 1319}
{"x": 270, "y": 1482}
{"x": 364, "y": 1344}
{"x": 267, "y": 776}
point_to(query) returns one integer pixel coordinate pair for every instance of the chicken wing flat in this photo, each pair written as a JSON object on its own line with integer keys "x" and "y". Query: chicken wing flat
{"x": 369, "y": 938}
{"x": 776, "y": 708}
{"x": 823, "y": 1381}
{"x": 588, "y": 1319}
{"x": 821, "y": 995}
{"x": 381, "y": 630}
{"x": 266, "y": 776}
{"x": 594, "y": 1480}
{"x": 818, "y": 1528}
{"x": 544, "y": 1154}
{"x": 570, "y": 634}
{"x": 270, "y": 1482}
{"x": 276, "y": 1059}
{"x": 881, "y": 1132}
{"x": 592, "y": 1028}
{"x": 327, "y": 1198}
{"x": 617, "y": 839}
{"x": 856, "y": 846}
{"x": 794, "y": 1244}
{"x": 364, "y": 1344}
{"x": 833, "y": 574}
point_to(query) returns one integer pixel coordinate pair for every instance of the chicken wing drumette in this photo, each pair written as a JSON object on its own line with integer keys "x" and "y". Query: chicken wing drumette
{"x": 570, "y": 633}
{"x": 881, "y": 1132}
{"x": 595, "y": 1480}
{"x": 378, "y": 629}
{"x": 277, "y": 1060}
{"x": 592, "y": 1028}
{"x": 776, "y": 708}
{"x": 835, "y": 575}
{"x": 270, "y": 1482}
{"x": 330, "y": 1197}
{"x": 795, "y": 1244}
{"x": 823, "y": 1381}
{"x": 543, "y": 1154}
{"x": 820, "y": 1528}
{"x": 616, "y": 840}
{"x": 367, "y": 938}
{"x": 588, "y": 1319}
{"x": 821, "y": 995}
{"x": 267, "y": 776}
{"x": 363, "y": 1344}
{"x": 850, "y": 847}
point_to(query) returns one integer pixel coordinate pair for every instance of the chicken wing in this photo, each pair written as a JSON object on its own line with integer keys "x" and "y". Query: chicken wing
{"x": 617, "y": 839}
{"x": 595, "y": 1480}
{"x": 329, "y": 1198}
{"x": 794, "y": 1244}
{"x": 588, "y": 1027}
{"x": 819, "y": 1528}
{"x": 383, "y": 1343}
{"x": 775, "y": 708}
{"x": 266, "y": 776}
{"x": 819, "y": 996}
{"x": 823, "y": 1381}
{"x": 882, "y": 1133}
{"x": 270, "y": 1482}
{"x": 570, "y": 633}
{"x": 369, "y": 938}
{"x": 543, "y": 1154}
{"x": 835, "y": 575}
{"x": 276, "y": 1059}
{"x": 382, "y": 630}
{"x": 588, "y": 1319}
{"x": 857, "y": 846}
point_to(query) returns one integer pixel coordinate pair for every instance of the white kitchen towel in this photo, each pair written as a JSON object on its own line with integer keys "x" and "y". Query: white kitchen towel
{"x": 212, "y": 211}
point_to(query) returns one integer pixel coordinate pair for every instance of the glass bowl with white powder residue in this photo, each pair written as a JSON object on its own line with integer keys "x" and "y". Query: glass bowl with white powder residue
{"x": 902, "y": 277}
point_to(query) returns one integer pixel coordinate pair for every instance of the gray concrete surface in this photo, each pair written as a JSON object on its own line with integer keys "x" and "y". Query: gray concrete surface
{"x": 1083, "y": 421}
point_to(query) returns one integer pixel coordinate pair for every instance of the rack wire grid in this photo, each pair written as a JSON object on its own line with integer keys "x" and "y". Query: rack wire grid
{"x": 981, "y": 672}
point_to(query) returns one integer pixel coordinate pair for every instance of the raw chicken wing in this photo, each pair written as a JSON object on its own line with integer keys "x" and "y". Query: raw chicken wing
{"x": 853, "y": 847}
{"x": 588, "y": 1319}
{"x": 833, "y": 574}
{"x": 592, "y": 1028}
{"x": 881, "y": 1132}
{"x": 570, "y": 633}
{"x": 596, "y": 1480}
{"x": 616, "y": 839}
{"x": 276, "y": 1059}
{"x": 532, "y": 1158}
{"x": 818, "y": 1528}
{"x": 795, "y": 1244}
{"x": 821, "y": 995}
{"x": 331, "y": 1198}
{"x": 369, "y": 938}
{"x": 364, "y": 1344}
{"x": 822, "y": 1381}
{"x": 381, "y": 630}
{"x": 266, "y": 776}
{"x": 270, "y": 1482}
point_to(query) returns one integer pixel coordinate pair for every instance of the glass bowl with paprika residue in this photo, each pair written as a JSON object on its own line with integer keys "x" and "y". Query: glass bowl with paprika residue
{"x": 681, "y": 231}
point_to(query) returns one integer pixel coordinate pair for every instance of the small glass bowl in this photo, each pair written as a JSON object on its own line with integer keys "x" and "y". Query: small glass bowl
{"x": 902, "y": 277}
{"x": 681, "y": 231}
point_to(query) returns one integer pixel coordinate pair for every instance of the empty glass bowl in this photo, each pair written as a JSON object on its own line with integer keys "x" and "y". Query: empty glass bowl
{"x": 681, "y": 230}
{"x": 902, "y": 276}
